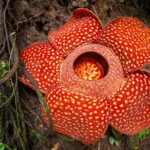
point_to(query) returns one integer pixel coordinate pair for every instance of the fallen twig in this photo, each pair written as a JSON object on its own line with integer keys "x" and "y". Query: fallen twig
{"x": 5, "y": 26}
{"x": 40, "y": 96}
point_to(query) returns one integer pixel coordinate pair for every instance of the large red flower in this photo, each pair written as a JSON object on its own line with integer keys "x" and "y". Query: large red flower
{"x": 90, "y": 75}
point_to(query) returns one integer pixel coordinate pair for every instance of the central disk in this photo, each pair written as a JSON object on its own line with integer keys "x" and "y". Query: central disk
{"x": 88, "y": 66}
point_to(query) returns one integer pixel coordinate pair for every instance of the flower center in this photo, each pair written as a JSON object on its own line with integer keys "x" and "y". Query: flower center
{"x": 90, "y": 66}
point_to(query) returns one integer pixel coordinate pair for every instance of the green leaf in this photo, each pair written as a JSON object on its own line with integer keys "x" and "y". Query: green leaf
{"x": 116, "y": 143}
{"x": 6, "y": 147}
{"x": 111, "y": 140}
{"x": 37, "y": 134}
{"x": 67, "y": 138}
{"x": 4, "y": 68}
{"x": 2, "y": 146}
{"x": 142, "y": 134}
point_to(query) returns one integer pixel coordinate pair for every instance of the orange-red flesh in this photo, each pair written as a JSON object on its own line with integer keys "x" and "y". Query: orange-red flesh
{"x": 79, "y": 116}
{"x": 130, "y": 40}
{"x": 88, "y": 68}
{"x": 130, "y": 106}
{"x": 83, "y": 27}
{"x": 42, "y": 62}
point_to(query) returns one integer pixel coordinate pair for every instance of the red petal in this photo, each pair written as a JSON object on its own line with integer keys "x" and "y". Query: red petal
{"x": 130, "y": 108}
{"x": 81, "y": 117}
{"x": 42, "y": 61}
{"x": 130, "y": 40}
{"x": 82, "y": 27}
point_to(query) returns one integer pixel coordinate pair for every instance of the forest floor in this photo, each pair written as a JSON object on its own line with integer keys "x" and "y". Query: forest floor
{"x": 21, "y": 123}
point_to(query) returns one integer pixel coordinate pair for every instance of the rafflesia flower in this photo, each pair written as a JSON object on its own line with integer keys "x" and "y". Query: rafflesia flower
{"x": 91, "y": 75}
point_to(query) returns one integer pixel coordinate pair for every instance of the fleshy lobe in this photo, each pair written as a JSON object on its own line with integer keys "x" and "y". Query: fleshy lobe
{"x": 83, "y": 27}
{"x": 130, "y": 106}
{"x": 42, "y": 61}
{"x": 130, "y": 40}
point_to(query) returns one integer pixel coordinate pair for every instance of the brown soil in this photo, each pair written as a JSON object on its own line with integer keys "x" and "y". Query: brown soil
{"x": 31, "y": 20}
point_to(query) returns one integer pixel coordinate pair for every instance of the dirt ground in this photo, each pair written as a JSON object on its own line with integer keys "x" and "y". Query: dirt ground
{"x": 31, "y": 20}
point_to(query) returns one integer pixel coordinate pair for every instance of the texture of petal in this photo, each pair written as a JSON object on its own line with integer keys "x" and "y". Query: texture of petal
{"x": 130, "y": 40}
{"x": 130, "y": 106}
{"x": 83, "y": 27}
{"x": 42, "y": 61}
{"x": 113, "y": 77}
{"x": 81, "y": 117}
